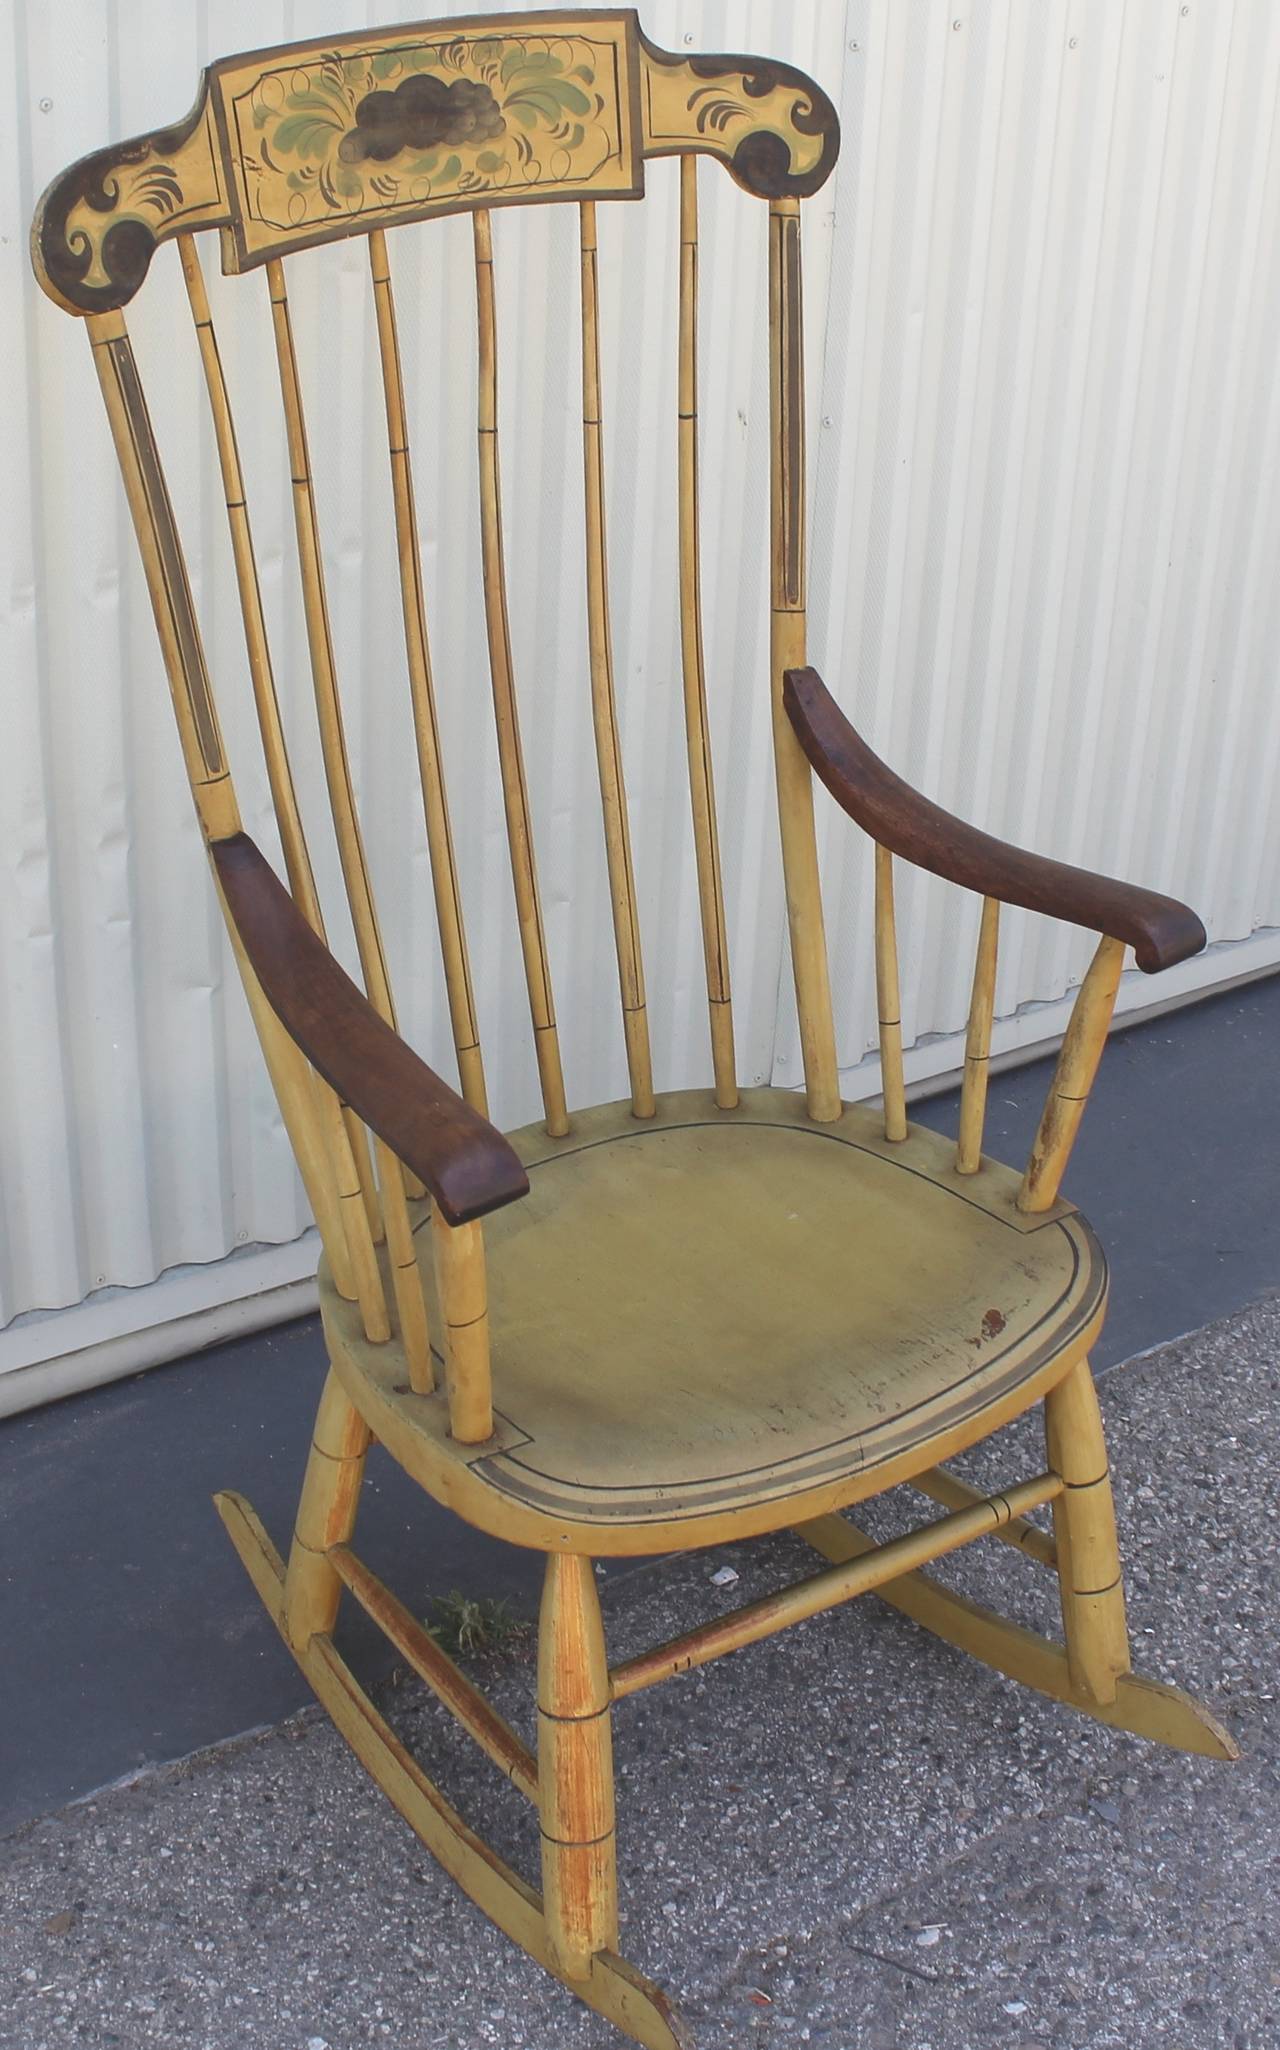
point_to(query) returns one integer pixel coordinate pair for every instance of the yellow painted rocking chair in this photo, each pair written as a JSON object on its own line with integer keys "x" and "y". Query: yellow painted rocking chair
{"x": 678, "y": 1319}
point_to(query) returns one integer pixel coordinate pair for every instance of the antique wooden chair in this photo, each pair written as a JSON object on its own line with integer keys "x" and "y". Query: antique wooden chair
{"x": 678, "y": 1319}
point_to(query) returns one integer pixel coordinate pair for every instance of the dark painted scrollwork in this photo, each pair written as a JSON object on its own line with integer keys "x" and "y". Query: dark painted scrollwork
{"x": 776, "y": 130}
{"x": 313, "y": 141}
{"x": 98, "y": 225}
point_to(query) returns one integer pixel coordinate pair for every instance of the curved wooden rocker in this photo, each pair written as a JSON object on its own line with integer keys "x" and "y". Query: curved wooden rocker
{"x": 679, "y": 1319}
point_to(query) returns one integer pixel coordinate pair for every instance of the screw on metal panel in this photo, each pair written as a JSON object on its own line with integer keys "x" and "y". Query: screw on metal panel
{"x": 688, "y": 39}
{"x": 957, "y": 24}
{"x": 827, "y": 420}
{"x": 46, "y": 106}
{"x": 1072, "y": 43}
{"x": 853, "y": 46}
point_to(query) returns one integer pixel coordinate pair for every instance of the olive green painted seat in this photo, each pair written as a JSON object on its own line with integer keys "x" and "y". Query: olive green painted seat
{"x": 704, "y": 1316}
{"x": 678, "y": 1319}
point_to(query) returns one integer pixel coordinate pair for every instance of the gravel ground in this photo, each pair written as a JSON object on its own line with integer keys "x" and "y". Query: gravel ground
{"x": 850, "y": 1836}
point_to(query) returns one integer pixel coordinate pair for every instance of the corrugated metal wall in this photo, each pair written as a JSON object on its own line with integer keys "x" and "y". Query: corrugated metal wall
{"x": 1041, "y": 294}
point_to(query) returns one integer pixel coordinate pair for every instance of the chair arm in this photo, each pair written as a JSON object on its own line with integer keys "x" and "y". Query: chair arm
{"x": 1159, "y": 929}
{"x": 466, "y": 1164}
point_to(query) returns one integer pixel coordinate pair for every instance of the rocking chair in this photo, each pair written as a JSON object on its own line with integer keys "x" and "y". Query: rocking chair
{"x": 678, "y": 1319}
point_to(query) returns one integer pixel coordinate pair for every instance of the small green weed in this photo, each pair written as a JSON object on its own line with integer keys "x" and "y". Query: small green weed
{"x": 462, "y": 1624}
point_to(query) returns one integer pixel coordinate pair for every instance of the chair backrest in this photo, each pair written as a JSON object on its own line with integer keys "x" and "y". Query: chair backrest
{"x": 353, "y": 137}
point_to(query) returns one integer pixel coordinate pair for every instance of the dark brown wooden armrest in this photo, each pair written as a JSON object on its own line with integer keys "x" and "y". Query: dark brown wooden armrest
{"x": 1159, "y": 929}
{"x": 466, "y": 1164}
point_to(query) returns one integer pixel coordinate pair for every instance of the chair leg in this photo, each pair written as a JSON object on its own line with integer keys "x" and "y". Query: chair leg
{"x": 1084, "y": 1520}
{"x": 326, "y": 1515}
{"x": 575, "y": 1769}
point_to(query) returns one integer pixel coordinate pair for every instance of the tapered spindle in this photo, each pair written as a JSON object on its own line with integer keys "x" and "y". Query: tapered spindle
{"x": 715, "y": 943}
{"x": 391, "y": 1174}
{"x": 515, "y": 794}
{"x": 809, "y": 965}
{"x": 326, "y": 1515}
{"x": 1086, "y": 1035}
{"x": 166, "y": 573}
{"x": 977, "y": 1043}
{"x": 575, "y": 1769}
{"x": 1084, "y": 1522}
{"x": 461, "y": 1290}
{"x": 444, "y": 867}
{"x": 613, "y": 799}
{"x": 202, "y": 745}
{"x": 889, "y": 1000}
{"x": 350, "y": 1177}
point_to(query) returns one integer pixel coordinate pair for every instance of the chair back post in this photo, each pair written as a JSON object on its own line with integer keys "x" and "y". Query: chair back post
{"x": 787, "y": 651}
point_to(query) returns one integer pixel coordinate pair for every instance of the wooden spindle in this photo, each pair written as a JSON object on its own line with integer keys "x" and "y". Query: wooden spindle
{"x": 1086, "y": 1035}
{"x": 326, "y": 1515}
{"x": 275, "y": 751}
{"x": 515, "y": 795}
{"x": 839, "y": 1583}
{"x": 205, "y": 758}
{"x": 977, "y": 1043}
{"x": 355, "y": 871}
{"x": 715, "y": 943}
{"x": 461, "y": 1290}
{"x": 165, "y": 569}
{"x": 1084, "y": 1522}
{"x": 575, "y": 1769}
{"x": 809, "y": 965}
{"x": 622, "y": 888}
{"x": 444, "y": 868}
{"x": 889, "y": 1000}
{"x": 364, "y": 918}
{"x": 336, "y": 1201}
{"x": 345, "y": 1140}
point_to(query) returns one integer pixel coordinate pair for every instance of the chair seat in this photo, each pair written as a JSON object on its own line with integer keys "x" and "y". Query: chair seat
{"x": 710, "y": 1323}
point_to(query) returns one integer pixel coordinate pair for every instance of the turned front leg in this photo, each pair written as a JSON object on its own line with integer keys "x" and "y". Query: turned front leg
{"x": 575, "y": 1769}
{"x": 326, "y": 1515}
{"x": 1085, "y": 1528}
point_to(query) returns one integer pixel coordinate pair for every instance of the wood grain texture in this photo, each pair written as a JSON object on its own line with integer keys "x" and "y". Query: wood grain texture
{"x": 1159, "y": 929}
{"x": 468, "y": 1166}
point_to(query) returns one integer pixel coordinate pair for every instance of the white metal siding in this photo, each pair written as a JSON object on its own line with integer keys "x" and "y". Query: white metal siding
{"x": 1042, "y": 295}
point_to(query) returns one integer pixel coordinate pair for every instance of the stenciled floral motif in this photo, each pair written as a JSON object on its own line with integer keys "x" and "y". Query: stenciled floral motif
{"x": 424, "y": 122}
